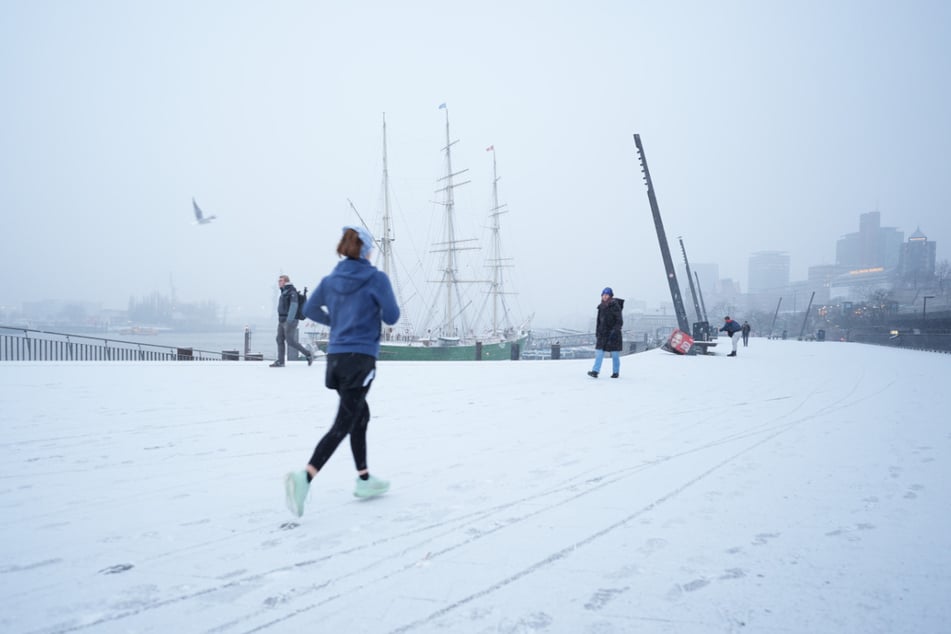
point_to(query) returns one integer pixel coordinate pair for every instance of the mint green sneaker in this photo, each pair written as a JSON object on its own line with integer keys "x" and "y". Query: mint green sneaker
{"x": 296, "y": 487}
{"x": 371, "y": 487}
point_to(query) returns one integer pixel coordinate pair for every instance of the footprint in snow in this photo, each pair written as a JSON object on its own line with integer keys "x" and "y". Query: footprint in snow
{"x": 696, "y": 584}
{"x": 763, "y": 538}
{"x": 602, "y": 597}
{"x": 535, "y": 621}
{"x": 652, "y": 545}
{"x": 678, "y": 590}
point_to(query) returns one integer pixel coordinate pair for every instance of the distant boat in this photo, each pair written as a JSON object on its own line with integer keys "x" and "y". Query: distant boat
{"x": 453, "y": 338}
{"x": 138, "y": 330}
{"x": 200, "y": 217}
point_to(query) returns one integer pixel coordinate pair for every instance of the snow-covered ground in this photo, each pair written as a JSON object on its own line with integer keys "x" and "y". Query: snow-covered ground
{"x": 800, "y": 487}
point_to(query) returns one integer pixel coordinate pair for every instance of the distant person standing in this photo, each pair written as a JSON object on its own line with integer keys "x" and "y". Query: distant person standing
{"x": 746, "y": 333}
{"x": 733, "y": 329}
{"x": 352, "y": 300}
{"x": 287, "y": 322}
{"x": 608, "y": 333}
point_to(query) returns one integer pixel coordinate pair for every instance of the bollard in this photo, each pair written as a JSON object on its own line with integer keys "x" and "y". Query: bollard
{"x": 478, "y": 351}
{"x": 555, "y": 351}
{"x": 515, "y": 351}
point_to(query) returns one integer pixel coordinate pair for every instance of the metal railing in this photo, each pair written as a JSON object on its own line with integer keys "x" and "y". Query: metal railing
{"x": 26, "y": 344}
{"x": 928, "y": 342}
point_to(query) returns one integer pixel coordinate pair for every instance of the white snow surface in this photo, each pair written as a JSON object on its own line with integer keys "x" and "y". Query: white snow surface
{"x": 800, "y": 487}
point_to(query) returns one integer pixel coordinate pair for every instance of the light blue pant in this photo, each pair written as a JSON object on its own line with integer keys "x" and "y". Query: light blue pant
{"x": 615, "y": 361}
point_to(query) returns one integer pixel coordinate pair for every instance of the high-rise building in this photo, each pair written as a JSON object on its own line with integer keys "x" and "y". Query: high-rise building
{"x": 768, "y": 272}
{"x": 873, "y": 246}
{"x": 820, "y": 280}
{"x": 917, "y": 262}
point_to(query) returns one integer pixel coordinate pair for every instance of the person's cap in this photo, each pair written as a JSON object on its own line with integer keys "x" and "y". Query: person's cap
{"x": 365, "y": 238}
{"x": 607, "y": 291}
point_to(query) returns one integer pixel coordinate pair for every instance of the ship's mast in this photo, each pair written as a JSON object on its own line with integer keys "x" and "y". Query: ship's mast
{"x": 386, "y": 241}
{"x": 497, "y": 261}
{"x": 450, "y": 271}
{"x": 384, "y": 254}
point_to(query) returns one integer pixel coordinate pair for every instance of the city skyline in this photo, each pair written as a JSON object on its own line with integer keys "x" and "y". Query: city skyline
{"x": 701, "y": 269}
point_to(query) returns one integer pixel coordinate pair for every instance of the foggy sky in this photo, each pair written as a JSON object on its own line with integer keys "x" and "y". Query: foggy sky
{"x": 766, "y": 127}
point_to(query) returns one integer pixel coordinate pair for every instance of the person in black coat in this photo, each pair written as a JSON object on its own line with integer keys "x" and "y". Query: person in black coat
{"x": 287, "y": 323}
{"x": 608, "y": 332}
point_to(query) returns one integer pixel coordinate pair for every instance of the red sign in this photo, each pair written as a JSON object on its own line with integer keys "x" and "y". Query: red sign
{"x": 680, "y": 342}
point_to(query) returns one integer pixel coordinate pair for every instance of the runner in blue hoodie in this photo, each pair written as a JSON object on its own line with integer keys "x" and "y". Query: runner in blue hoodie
{"x": 352, "y": 300}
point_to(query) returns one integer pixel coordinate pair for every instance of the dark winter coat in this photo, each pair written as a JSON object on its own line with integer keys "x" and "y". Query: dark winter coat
{"x": 287, "y": 303}
{"x": 731, "y": 327}
{"x": 610, "y": 320}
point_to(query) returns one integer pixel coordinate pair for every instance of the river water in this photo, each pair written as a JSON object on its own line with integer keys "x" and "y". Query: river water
{"x": 262, "y": 340}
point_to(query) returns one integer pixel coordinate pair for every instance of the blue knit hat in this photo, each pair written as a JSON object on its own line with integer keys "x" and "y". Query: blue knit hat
{"x": 607, "y": 291}
{"x": 365, "y": 238}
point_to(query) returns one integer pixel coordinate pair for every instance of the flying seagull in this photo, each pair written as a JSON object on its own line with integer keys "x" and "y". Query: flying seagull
{"x": 199, "y": 216}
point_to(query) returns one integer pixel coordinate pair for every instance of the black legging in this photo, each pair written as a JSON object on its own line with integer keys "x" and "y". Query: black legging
{"x": 353, "y": 416}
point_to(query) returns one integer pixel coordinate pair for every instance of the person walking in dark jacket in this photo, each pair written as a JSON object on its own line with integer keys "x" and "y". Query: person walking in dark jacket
{"x": 745, "y": 329}
{"x": 352, "y": 300}
{"x": 608, "y": 333}
{"x": 287, "y": 322}
{"x": 733, "y": 329}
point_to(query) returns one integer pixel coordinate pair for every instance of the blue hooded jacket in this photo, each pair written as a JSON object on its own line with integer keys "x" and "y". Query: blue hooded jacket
{"x": 352, "y": 300}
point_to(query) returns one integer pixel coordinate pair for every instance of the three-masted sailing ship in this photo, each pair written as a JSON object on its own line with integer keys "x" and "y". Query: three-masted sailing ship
{"x": 453, "y": 336}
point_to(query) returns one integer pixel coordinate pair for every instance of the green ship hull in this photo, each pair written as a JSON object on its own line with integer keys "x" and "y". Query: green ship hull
{"x": 420, "y": 351}
{"x": 417, "y": 351}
